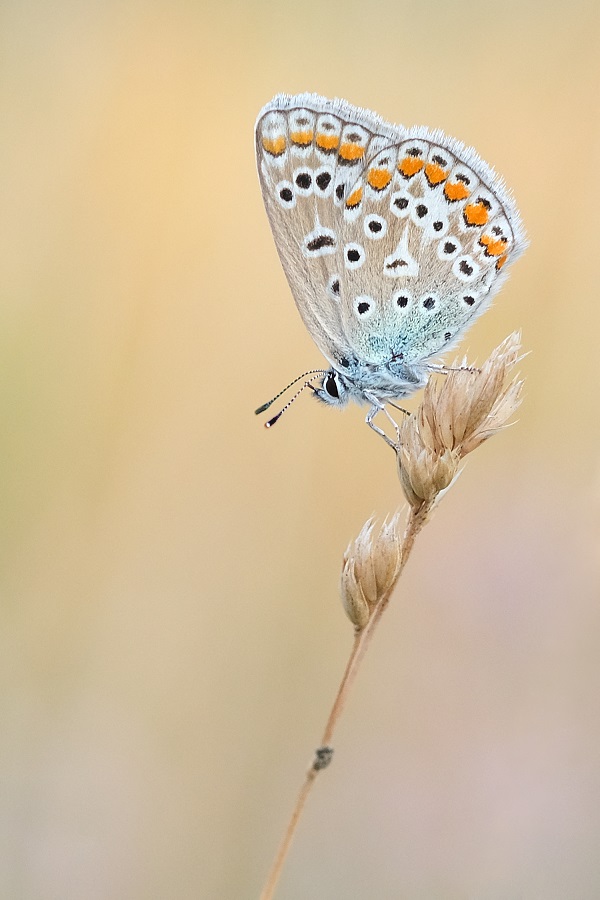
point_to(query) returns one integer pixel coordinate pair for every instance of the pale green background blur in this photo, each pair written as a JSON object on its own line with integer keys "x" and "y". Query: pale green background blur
{"x": 171, "y": 634}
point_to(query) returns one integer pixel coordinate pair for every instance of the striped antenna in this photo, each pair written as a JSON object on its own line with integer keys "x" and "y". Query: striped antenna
{"x": 306, "y": 384}
{"x": 265, "y": 406}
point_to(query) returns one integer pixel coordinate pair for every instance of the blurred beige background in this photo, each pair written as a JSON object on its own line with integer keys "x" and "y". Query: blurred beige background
{"x": 171, "y": 635}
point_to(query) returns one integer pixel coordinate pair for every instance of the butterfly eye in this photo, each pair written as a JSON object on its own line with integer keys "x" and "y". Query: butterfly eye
{"x": 331, "y": 387}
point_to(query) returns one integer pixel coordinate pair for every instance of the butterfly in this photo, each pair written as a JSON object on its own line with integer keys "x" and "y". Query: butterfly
{"x": 393, "y": 241}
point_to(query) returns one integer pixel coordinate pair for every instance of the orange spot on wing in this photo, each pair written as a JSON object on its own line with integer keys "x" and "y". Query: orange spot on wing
{"x": 351, "y": 151}
{"x": 476, "y": 214}
{"x": 379, "y": 178}
{"x": 328, "y": 141}
{"x": 501, "y": 261}
{"x": 354, "y": 199}
{"x": 493, "y": 246}
{"x": 274, "y": 146}
{"x": 456, "y": 191}
{"x": 303, "y": 138}
{"x": 410, "y": 165}
{"x": 435, "y": 174}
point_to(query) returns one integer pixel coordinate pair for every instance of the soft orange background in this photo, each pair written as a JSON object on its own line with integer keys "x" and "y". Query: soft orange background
{"x": 171, "y": 635}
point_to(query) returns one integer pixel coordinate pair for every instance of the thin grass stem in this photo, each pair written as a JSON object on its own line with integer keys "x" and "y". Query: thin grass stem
{"x": 362, "y": 639}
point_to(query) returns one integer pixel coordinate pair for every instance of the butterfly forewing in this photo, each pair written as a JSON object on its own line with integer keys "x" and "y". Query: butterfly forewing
{"x": 392, "y": 240}
{"x": 308, "y": 158}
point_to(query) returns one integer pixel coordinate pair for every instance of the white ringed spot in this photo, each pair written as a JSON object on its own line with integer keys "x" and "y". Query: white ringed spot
{"x": 401, "y": 203}
{"x": 364, "y": 307}
{"x": 354, "y": 256}
{"x": 465, "y": 268}
{"x": 449, "y": 248}
{"x": 323, "y": 182}
{"x": 285, "y": 194}
{"x": 303, "y": 181}
{"x": 375, "y": 227}
{"x": 401, "y": 299}
{"x": 334, "y": 288}
{"x": 320, "y": 242}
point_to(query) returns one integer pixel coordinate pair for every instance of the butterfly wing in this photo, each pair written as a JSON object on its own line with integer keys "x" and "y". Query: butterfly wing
{"x": 392, "y": 240}
{"x": 428, "y": 232}
{"x": 308, "y": 149}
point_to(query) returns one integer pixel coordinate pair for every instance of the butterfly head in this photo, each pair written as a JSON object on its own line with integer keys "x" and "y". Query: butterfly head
{"x": 334, "y": 389}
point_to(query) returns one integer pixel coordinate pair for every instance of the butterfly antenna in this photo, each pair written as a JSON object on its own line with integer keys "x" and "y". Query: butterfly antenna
{"x": 306, "y": 384}
{"x": 265, "y": 406}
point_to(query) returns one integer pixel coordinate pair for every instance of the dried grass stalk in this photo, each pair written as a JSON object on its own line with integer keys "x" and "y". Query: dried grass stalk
{"x": 456, "y": 415}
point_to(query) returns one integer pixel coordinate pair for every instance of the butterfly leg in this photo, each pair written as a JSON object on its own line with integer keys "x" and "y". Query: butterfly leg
{"x": 376, "y": 408}
{"x": 369, "y": 420}
{"x": 444, "y": 370}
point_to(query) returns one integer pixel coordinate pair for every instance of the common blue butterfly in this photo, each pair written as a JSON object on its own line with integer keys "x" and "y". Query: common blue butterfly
{"x": 393, "y": 241}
